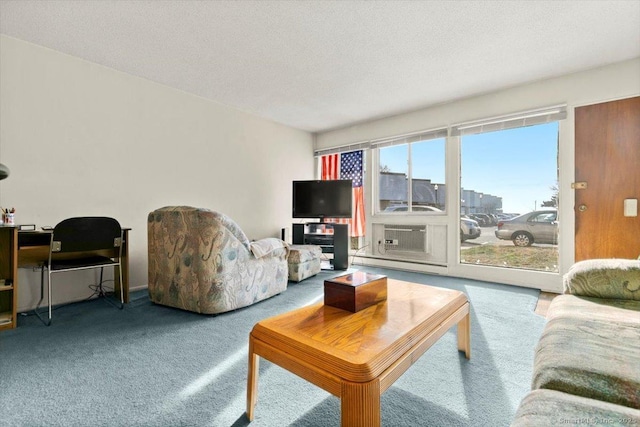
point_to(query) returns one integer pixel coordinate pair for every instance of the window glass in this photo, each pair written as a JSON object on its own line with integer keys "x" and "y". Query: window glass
{"x": 509, "y": 182}
{"x": 427, "y": 170}
{"x": 544, "y": 217}
{"x": 393, "y": 178}
{"x": 411, "y": 177}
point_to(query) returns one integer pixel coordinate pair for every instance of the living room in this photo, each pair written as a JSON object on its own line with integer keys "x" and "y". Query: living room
{"x": 93, "y": 137}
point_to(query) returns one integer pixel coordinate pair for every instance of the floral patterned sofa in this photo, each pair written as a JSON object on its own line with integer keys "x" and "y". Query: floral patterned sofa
{"x": 201, "y": 261}
{"x": 587, "y": 362}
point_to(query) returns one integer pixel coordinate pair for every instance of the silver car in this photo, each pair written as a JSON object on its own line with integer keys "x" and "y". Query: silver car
{"x": 469, "y": 229}
{"x": 533, "y": 227}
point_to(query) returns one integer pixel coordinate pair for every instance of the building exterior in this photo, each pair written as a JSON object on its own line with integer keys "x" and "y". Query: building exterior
{"x": 394, "y": 192}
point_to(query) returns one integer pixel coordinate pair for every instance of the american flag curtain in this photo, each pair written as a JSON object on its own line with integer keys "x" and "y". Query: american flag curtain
{"x": 348, "y": 166}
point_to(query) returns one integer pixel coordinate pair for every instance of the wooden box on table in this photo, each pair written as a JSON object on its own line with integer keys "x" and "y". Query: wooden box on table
{"x": 356, "y": 291}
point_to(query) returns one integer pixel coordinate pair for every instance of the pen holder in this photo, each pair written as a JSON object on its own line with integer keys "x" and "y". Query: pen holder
{"x": 8, "y": 218}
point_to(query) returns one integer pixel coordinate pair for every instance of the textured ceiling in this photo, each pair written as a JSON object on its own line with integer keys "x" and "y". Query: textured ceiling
{"x": 320, "y": 65}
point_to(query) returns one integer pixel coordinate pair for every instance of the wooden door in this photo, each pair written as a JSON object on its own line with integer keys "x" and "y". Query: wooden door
{"x": 607, "y": 147}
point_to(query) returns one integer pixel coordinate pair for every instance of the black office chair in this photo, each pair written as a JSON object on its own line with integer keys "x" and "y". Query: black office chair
{"x": 83, "y": 243}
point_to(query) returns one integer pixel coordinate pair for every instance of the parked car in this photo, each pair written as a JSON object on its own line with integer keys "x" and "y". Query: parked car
{"x": 414, "y": 208}
{"x": 485, "y": 220}
{"x": 482, "y": 220}
{"x": 533, "y": 227}
{"x": 469, "y": 228}
{"x": 476, "y": 218}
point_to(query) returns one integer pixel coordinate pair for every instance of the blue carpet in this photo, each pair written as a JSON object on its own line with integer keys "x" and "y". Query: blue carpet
{"x": 149, "y": 365}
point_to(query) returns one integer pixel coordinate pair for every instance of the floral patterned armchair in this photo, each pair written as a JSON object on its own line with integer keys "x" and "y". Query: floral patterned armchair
{"x": 201, "y": 261}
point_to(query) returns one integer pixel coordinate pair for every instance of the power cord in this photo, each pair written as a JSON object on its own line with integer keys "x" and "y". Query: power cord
{"x": 97, "y": 291}
{"x": 100, "y": 289}
{"x": 358, "y": 250}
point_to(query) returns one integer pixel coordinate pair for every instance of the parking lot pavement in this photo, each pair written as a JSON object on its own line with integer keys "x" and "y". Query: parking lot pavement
{"x": 488, "y": 237}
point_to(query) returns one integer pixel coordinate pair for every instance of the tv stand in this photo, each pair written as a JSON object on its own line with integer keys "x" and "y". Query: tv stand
{"x": 332, "y": 238}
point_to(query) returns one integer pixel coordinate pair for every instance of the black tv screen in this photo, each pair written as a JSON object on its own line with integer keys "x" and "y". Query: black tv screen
{"x": 322, "y": 199}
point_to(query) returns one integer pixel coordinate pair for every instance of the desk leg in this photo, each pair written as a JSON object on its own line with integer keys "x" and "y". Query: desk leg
{"x": 124, "y": 262}
{"x": 464, "y": 335}
{"x": 360, "y": 404}
{"x": 252, "y": 380}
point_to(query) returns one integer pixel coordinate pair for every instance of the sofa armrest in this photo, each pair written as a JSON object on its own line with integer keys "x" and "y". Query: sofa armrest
{"x": 269, "y": 246}
{"x": 604, "y": 278}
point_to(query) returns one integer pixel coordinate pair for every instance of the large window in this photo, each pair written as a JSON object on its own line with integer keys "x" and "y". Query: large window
{"x": 411, "y": 174}
{"x": 509, "y": 181}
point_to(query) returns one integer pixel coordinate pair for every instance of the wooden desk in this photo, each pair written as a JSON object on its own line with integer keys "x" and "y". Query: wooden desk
{"x": 358, "y": 356}
{"x": 30, "y": 249}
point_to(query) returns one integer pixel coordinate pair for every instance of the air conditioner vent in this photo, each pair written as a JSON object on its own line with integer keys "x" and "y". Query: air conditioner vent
{"x": 411, "y": 238}
{"x": 424, "y": 242}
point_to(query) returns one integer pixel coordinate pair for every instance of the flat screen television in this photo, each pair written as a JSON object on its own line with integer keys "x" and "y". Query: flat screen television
{"x": 322, "y": 199}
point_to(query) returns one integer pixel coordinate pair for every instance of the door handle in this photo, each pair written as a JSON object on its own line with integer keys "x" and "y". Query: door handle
{"x": 582, "y": 207}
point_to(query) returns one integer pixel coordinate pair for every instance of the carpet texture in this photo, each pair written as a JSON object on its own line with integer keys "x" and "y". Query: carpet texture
{"x": 149, "y": 365}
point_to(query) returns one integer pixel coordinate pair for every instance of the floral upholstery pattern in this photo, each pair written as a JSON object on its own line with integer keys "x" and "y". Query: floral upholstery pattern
{"x": 304, "y": 261}
{"x": 589, "y": 351}
{"x": 594, "y": 358}
{"x": 201, "y": 261}
{"x": 582, "y": 308}
{"x": 604, "y": 278}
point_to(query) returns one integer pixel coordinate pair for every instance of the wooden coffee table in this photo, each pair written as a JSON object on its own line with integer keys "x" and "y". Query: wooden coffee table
{"x": 357, "y": 356}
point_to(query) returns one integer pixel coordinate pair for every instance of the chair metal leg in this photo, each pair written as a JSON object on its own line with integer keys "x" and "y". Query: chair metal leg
{"x": 47, "y": 323}
{"x": 101, "y": 293}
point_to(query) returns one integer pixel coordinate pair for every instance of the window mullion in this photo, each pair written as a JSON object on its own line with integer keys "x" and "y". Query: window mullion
{"x": 409, "y": 179}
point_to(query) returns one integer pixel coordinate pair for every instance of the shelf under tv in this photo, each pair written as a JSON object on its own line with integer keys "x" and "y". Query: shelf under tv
{"x": 332, "y": 239}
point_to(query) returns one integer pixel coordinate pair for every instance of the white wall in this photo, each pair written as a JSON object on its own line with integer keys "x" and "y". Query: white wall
{"x": 82, "y": 139}
{"x": 615, "y": 81}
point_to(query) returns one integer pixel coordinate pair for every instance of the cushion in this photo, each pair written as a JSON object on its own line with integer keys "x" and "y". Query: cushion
{"x": 607, "y": 310}
{"x": 604, "y": 278}
{"x": 303, "y": 253}
{"x": 592, "y": 351}
{"x": 264, "y": 247}
{"x": 542, "y": 408}
{"x": 304, "y": 261}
